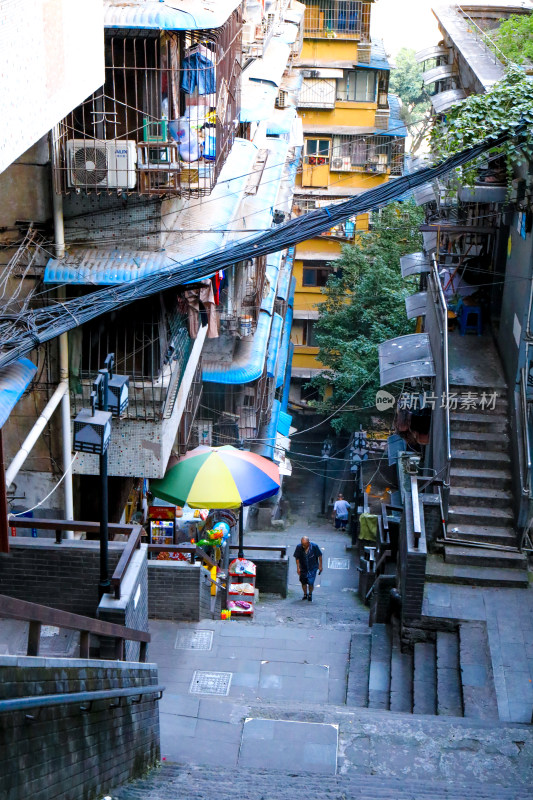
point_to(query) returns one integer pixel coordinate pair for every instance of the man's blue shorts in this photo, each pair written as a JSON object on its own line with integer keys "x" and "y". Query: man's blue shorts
{"x": 308, "y": 577}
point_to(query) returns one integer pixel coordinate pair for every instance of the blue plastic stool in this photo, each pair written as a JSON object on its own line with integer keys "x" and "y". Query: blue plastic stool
{"x": 470, "y": 320}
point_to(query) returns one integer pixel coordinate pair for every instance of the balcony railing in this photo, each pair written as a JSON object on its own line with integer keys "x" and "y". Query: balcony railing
{"x": 337, "y": 19}
{"x": 163, "y": 122}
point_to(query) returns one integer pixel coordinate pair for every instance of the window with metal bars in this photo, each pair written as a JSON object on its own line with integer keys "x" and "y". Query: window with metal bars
{"x": 163, "y": 123}
{"x": 357, "y": 85}
{"x": 371, "y": 153}
{"x": 337, "y": 19}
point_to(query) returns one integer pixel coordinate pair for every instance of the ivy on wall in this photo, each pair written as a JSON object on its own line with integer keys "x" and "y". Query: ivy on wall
{"x": 481, "y": 116}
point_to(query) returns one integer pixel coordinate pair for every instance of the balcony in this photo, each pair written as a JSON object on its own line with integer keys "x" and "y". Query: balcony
{"x": 337, "y": 19}
{"x": 163, "y": 122}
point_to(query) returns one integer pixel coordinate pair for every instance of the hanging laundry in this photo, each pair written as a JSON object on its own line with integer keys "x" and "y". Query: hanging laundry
{"x": 198, "y": 75}
{"x": 201, "y": 306}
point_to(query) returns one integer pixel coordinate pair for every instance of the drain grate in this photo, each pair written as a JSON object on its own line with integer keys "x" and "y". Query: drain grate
{"x": 338, "y": 563}
{"x": 210, "y": 683}
{"x": 194, "y": 640}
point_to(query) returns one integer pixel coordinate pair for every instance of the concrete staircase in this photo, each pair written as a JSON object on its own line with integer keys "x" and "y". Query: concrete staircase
{"x": 480, "y": 506}
{"x": 448, "y": 675}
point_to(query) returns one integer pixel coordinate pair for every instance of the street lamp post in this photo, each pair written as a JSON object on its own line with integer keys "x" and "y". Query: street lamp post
{"x": 358, "y": 454}
{"x": 92, "y": 433}
{"x": 326, "y": 451}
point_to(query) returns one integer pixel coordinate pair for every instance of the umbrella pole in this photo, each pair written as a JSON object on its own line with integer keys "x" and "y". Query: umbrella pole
{"x": 241, "y": 534}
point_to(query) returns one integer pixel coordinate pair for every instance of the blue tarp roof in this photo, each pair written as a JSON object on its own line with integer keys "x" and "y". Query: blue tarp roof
{"x": 281, "y": 121}
{"x": 284, "y": 349}
{"x": 273, "y": 344}
{"x": 287, "y": 383}
{"x": 249, "y": 363}
{"x": 284, "y": 423}
{"x": 168, "y": 15}
{"x": 266, "y": 448}
{"x": 14, "y": 380}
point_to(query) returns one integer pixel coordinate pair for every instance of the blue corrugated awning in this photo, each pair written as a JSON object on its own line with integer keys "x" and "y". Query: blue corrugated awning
{"x": 14, "y": 380}
{"x": 284, "y": 423}
{"x": 284, "y": 280}
{"x": 281, "y": 121}
{"x": 292, "y": 291}
{"x": 257, "y": 100}
{"x": 269, "y": 434}
{"x": 396, "y": 124}
{"x": 287, "y": 383}
{"x": 248, "y": 364}
{"x": 174, "y": 15}
{"x": 273, "y": 344}
{"x": 284, "y": 349}
{"x": 106, "y": 267}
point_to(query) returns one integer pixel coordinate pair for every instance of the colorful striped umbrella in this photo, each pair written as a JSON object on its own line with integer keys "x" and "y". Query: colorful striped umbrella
{"x": 219, "y": 477}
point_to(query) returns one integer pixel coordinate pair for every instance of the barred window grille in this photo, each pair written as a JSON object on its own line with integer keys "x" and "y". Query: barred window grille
{"x": 357, "y": 85}
{"x": 337, "y": 19}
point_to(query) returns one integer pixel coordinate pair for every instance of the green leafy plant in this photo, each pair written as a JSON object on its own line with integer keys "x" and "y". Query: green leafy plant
{"x": 514, "y": 37}
{"x": 364, "y": 305}
{"x": 406, "y": 82}
{"x": 480, "y": 116}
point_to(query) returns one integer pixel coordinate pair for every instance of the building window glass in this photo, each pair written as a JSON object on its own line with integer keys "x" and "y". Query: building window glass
{"x": 315, "y": 274}
{"x": 303, "y": 333}
{"x": 317, "y": 151}
{"x": 357, "y": 85}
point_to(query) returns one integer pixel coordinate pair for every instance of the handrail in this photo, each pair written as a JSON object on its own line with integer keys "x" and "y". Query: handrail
{"x": 484, "y": 37}
{"x": 133, "y": 544}
{"x": 73, "y": 698}
{"x": 37, "y": 615}
{"x": 267, "y": 547}
{"x": 417, "y": 523}
{"x": 444, "y": 309}
{"x": 526, "y": 484}
{"x": 59, "y": 525}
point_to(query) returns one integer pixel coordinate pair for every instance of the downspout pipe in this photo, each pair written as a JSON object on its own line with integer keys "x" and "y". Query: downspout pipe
{"x": 66, "y": 440}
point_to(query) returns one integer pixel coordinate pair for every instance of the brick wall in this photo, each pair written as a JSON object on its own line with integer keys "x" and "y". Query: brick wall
{"x": 178, "y": 591}
{"x": 65, "y": 753}
{"x": 132, "y": 608}
{"x": 432, "y": 520}
{"x": 272, "y": 575}
{"x": 59, "y": 575}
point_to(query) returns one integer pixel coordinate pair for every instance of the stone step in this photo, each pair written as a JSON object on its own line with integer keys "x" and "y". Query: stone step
{"x": 173, "y": 781}
{"x": 474, "y": 496}
{"x": 482, "y": 557}
{"x": 480, "y": 397}
{"x": 358, "y": 670}
{"x": 482, "y": 478}
{"x": 380, "y": 667}
{"x": 439, "y": 571}
{"x": 473, "y": 440}
{"x": 479, "y": 694}
{"x": 449, "y": 694}
{"x": 482, "y": 533}
{"x": 401, "y": 683}
{"x": 479, "y": 515}
{"x": 478, "y": 422}
{"x": 425, "y": 679}
{"x": 471, "y": 459}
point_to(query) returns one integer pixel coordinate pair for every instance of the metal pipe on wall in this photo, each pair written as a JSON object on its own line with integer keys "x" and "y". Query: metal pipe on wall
{"x": 66, "y": 440}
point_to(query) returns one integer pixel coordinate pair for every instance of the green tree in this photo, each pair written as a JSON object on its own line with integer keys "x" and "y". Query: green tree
{"x": 365, "y": 305}
{"x": 514, "y": 37}
{"x": 406, "y": 82}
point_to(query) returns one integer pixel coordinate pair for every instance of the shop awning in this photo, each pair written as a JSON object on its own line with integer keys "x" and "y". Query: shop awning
{"x": 416, "y": 305}
{"x": 14, "y": 380}
{"x": 414, "y": 264}
{"x": 405, "y": 357}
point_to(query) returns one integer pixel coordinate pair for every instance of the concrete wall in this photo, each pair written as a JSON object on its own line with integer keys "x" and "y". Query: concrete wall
{"x": 64, "y": 753}
{"x": 412, "y": 564}
{"x": 63, "y": 575}
{"x": 178, "y": 591}
{"x": 272, "y": 575}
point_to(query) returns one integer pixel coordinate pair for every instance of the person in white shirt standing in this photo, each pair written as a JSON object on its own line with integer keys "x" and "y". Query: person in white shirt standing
{"x": 340, "y": 512}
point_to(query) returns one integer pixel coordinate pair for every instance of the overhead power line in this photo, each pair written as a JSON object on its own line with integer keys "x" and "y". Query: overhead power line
{"x": 34, "y": 327}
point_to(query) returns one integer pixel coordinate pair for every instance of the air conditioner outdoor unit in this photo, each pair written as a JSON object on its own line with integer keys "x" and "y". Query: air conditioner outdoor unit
{"x": 336, "y": 163}
{"x": 281, "y": 99}
{"x": 102, "y": 164}
{"x": 342, "y": 164}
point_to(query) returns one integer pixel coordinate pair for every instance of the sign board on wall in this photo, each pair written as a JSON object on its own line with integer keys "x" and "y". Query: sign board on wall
{"x": 51, "y": 59}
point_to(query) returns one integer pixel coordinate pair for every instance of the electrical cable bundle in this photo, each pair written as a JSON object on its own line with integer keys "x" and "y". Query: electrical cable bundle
{"x": 35, "y": 326}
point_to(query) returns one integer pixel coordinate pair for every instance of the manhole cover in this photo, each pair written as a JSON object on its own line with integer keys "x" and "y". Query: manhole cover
{"x": 194, "y": 640}
{"x": 338, "y": 563}
{"x": 210, "y": 682}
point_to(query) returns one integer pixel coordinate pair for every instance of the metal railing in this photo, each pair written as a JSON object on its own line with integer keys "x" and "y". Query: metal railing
{"x": 37, "y": 615}
{"x": 257, "y": 548}
{"x": 526, "y": 445}
{"x": 441, "y": 356}
{"x": 481, "y": 36}
{"x": 191, "y": 550}
{"x": 73, "y": 698}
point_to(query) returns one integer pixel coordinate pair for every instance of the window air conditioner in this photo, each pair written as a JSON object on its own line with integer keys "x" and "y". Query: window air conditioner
{"x": 281, "y": 99}
{"x": 102, "y": 164}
